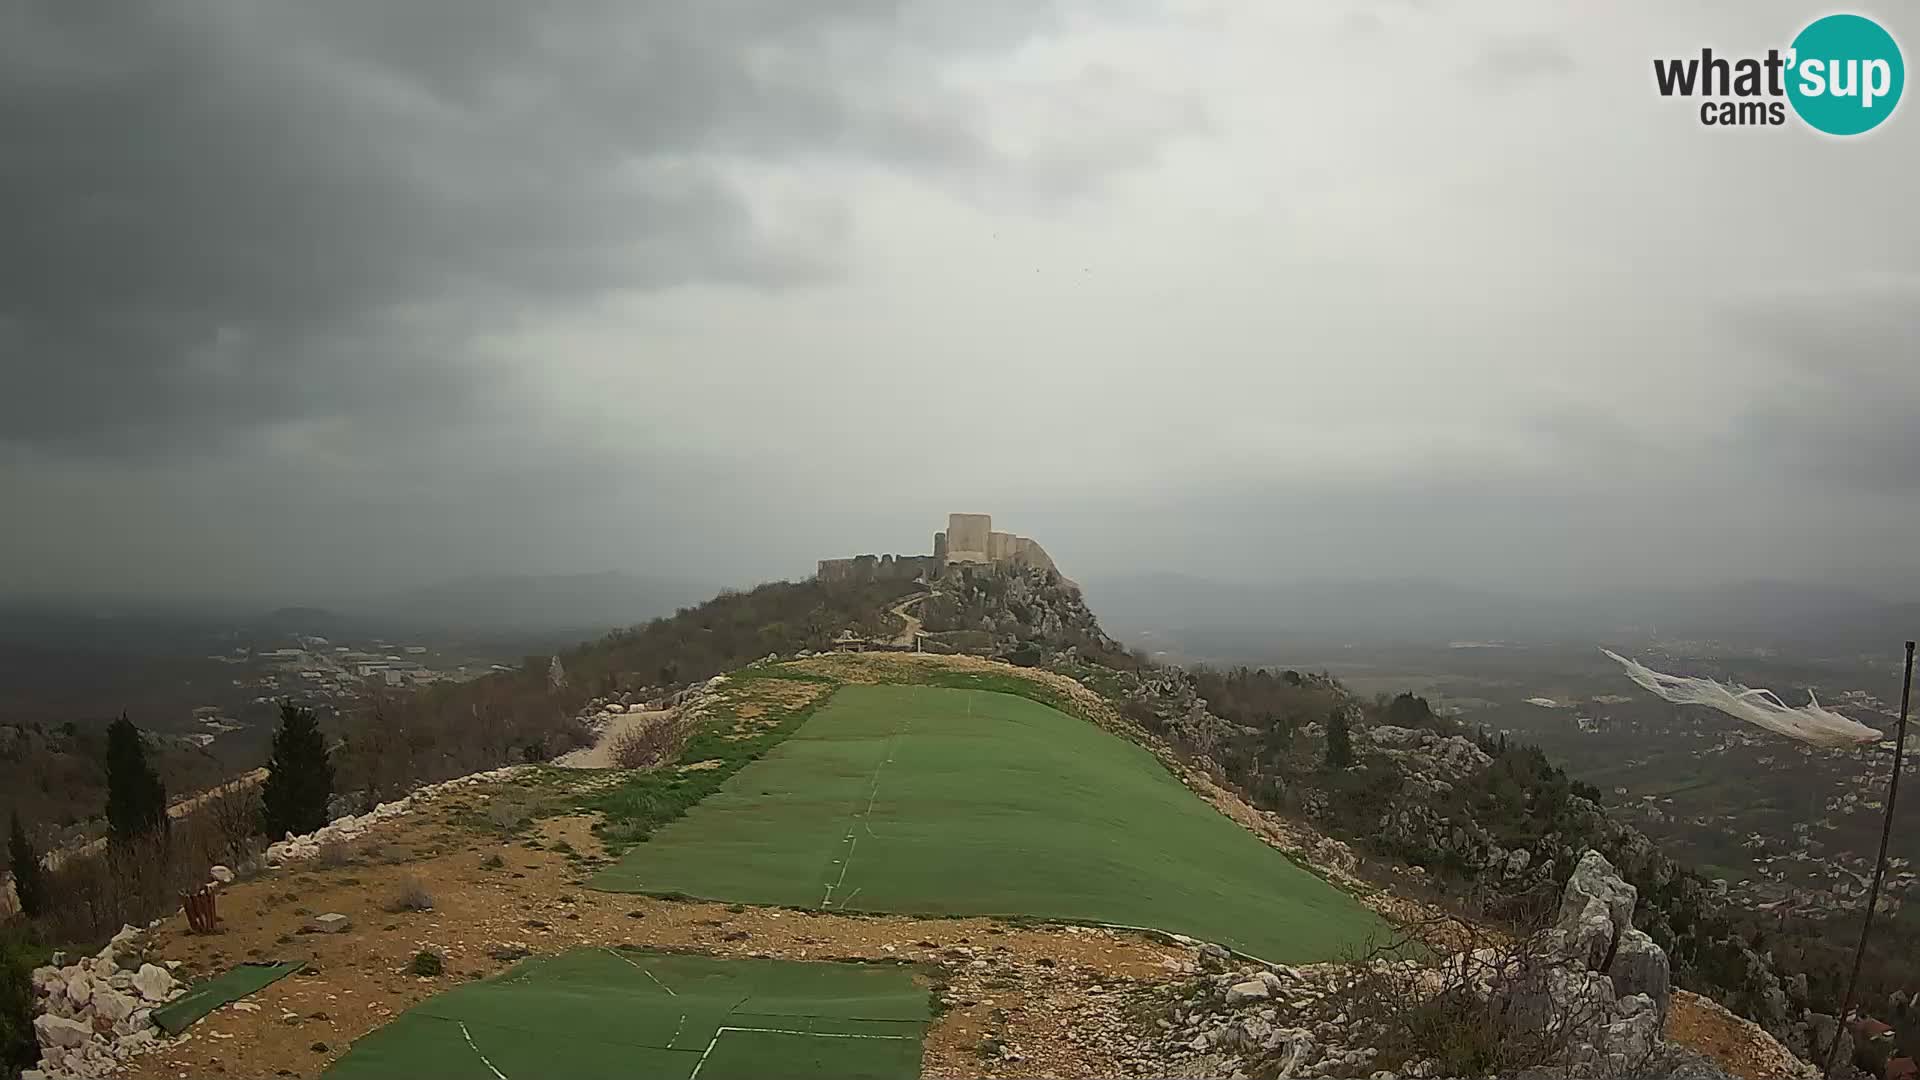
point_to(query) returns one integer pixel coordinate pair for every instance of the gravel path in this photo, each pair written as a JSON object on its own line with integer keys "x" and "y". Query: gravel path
{"x": 600, "y": 754}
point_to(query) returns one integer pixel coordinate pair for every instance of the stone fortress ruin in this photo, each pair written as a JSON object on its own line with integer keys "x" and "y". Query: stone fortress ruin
{"x": 968, "y": 540}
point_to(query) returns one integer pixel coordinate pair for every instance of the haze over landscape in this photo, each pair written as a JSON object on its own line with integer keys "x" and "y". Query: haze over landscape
{"x": 920, "y": 539}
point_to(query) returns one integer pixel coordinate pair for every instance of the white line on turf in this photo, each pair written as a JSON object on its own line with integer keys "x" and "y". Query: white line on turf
{"x": 476, "y": 1050}
{"x": 643, "y": 971}
{"x": 826, "y": 898}
{"x": 715, "y": 1041}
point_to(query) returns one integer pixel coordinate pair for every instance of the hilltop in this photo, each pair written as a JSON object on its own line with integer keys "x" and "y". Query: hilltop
{"x": 1438, "y": 837}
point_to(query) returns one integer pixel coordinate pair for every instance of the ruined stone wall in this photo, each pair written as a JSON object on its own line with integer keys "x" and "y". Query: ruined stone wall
{"x": 939, "y": 547}
{"x": 864, "y": 568}
{"x": 1028, "y": 552}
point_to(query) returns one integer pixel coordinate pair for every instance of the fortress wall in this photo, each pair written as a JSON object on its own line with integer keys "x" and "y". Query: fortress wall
{"x": 863, "y": 568}
{"x": 1030, "y": 553}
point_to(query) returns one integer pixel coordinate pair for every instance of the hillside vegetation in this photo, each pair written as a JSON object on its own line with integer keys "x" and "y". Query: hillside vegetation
{"x": 531, "y": 714}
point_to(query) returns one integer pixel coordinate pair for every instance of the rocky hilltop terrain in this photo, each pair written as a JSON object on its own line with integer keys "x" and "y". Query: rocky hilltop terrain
{"x": 1535, "y": 936}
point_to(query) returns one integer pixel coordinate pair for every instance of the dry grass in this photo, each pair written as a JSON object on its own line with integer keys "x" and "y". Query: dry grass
{"x": 411, "y": 896}
{"x": 648, "y": 745}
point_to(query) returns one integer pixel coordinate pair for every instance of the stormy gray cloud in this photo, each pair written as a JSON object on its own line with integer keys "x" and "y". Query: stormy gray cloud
{"x": 306, "y": 299}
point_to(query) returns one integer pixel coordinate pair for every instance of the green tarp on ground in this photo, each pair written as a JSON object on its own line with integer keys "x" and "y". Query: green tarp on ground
{"x": 606, "y": 1013}
{"x": 925, "y": 800}
{"x": 181, "y": 1013}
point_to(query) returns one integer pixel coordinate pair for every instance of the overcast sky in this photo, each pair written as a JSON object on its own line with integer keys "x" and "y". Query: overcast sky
{"x": 303, "y": 299}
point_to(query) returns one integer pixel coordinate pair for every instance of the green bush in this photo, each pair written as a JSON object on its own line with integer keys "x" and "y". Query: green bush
{"x": 18, "y": 955}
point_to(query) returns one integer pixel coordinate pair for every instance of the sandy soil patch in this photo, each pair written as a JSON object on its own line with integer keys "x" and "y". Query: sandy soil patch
{"x": 1737, "y": 1044}
{"x": 493, "y": 898}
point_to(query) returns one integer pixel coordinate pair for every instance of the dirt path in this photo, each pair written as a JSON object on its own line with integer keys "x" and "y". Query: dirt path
{"x": 913, "y": 623}
{"x": 600, "y": 754}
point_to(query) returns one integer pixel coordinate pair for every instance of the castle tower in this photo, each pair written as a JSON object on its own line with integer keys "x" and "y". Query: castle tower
{"x": 969, "y": 537}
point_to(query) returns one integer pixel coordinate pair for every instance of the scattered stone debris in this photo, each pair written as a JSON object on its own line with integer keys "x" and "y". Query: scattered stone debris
{"x": 95, "y": 1014}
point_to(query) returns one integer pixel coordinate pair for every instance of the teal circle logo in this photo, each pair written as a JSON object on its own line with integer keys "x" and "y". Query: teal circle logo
{"x": 1846, "y": 74}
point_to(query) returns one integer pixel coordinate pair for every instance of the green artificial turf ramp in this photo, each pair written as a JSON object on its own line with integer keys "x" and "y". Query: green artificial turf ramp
{"x": 604, "y": 1013}
{"x": 931, "y": 800}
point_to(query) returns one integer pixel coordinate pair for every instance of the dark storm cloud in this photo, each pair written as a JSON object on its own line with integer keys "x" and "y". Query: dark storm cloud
{"x": 1844, "y": 414}
{"x": 232, "y": 214}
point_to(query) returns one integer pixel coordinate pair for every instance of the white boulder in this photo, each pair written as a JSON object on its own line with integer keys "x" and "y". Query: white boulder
{"x": 111, "y": 1005}
{"x": 59, "y": 1031}
{"x": 153, "y": 982}
{"x": 1242, "y": 992}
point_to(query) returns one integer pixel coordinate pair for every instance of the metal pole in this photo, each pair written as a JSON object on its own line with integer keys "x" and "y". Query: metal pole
{"x": 1879, "y": 866}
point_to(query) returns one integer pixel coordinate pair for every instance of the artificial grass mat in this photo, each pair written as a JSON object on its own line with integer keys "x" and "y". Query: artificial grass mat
{"x": 932, "y": 800}
{"x": 202, "y": 998}
{"x": 605, "y": 1013}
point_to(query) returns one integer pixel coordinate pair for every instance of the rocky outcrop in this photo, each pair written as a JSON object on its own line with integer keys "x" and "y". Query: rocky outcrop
{"x": 1591, "y": 989}
{"x": 1429, "y": 754}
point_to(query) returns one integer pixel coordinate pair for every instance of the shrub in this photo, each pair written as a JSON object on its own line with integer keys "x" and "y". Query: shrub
{"x": 18, "y": 1047}
{"x": 28, "y": 881}
{"x": 647, "y": 745}
{"x": 236, "y": 818}
{"x": 428, "y": 963}
{"x": 509, "y": 812}
{"x": 412, "y": 896}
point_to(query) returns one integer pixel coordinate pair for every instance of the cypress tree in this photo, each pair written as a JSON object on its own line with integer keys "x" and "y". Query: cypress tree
{"x": 136, "y": 799}
{"x": 299, "y": 778}
{"x": 27, "y": 882}
{"x": 1339, "y": 740}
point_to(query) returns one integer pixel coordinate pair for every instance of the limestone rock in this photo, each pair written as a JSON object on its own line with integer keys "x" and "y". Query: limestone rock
{"x": 59, "y": 1031}
{"x": 1243, "y": 992}
{"x": 153, "y": 982}
{"x": 331, "y": 923}
{"x": 111, "y": 1005}
{"x": 221, "y": 874}
{"x": 1595, "y": 878}
{"x": 1640, "y": 967}
{"x": 1589, "y": 933}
